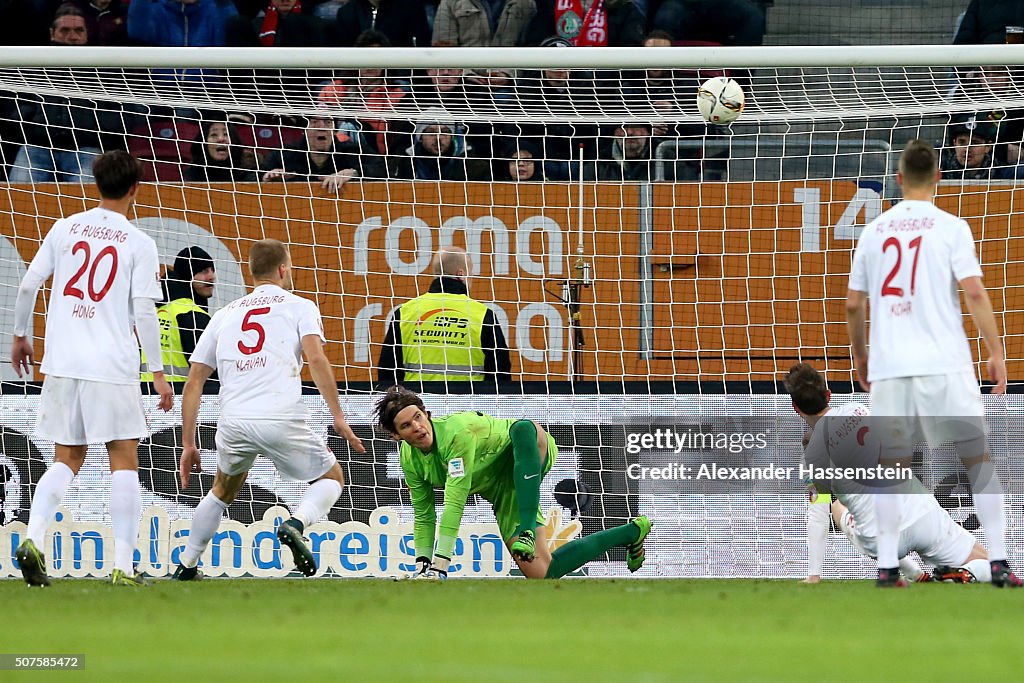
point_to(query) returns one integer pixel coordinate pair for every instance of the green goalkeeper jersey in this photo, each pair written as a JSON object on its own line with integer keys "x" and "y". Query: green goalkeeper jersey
{"x": 472, "y": 453}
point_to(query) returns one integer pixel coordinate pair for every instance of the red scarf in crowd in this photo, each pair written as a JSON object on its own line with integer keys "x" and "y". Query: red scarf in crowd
{"x": 268, "y": 32}
{"x": 593, "y": 31}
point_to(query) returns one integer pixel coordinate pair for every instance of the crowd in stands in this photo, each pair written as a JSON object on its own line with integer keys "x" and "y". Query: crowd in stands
{"x": 447, "y": 134}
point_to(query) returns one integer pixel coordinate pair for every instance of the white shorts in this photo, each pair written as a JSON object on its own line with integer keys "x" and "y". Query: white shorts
{"x": 78, "y": 412}
{"x": 943, "y": 408}
{"x": 291, "y": 445}
{"x": 935, "y": 537}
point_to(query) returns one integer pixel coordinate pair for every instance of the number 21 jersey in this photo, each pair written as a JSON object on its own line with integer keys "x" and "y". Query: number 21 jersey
{"x": 909, "y": 261}
{"x": 255, "y": 343}
{"x": 99, "y": 262}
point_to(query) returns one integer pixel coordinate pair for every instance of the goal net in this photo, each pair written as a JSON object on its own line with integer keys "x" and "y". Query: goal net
{"x": 650, "y": 273}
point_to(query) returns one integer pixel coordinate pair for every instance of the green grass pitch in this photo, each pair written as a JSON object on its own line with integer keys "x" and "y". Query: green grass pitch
{"x": 514, "y": 630}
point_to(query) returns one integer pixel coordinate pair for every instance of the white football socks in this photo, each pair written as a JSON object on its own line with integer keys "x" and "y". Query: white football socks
{"x": 981, "y": 569}
{"x": 888, "y": 513}
{"x": 317, "y": 500}
{"x": 125, "y": 508}
{"x": 910, "y": 569}
{"x": 205, "y": 521}
{"x": 49, "y": 493}
{"x": 987, "y": 491}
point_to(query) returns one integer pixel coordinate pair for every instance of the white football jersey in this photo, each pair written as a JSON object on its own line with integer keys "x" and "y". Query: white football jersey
{"x": 844, "y": 439}
{"x": 909, "y": 261}
{"x": 99, "y": 262}
{"x": 255, "y": 343}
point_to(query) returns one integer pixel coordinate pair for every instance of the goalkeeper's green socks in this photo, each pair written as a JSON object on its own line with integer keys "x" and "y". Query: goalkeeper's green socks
{"x": 526, "y": 473}
{"x": 574, "y": 555}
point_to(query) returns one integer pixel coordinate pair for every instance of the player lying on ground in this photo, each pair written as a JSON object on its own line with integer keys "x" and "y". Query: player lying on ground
{"x": 106, "y": 276}
{"x": 974, "y": 568}
{"x": 925, "y": 526}
{"x": 502, "y": 460}
{"x": 256, "y": 344}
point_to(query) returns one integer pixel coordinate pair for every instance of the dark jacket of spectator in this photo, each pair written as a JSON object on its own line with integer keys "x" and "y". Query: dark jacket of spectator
{"x": 172, "y": 23}
{"x": 441, "y": 157}
{"x": 986, "y": 21}
{"x": 70, "y": 124}
{"x": 107, "y": 21}
{"x": 497, "y": 360}
{"x": 219, "y": 157}
{"x": 276, "y": 29}
{"x": 729, "y": 22}
{"x": 625, "y": 24}
{"x": 404, "y": 22}
{"x": 630, "y": 156}
{"x": 553, "y": 92}
{"x": 306, "y": 166}
{"x": 482, "y": 23}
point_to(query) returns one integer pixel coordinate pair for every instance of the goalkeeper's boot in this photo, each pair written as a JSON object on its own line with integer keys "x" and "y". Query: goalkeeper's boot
{"x": 183, "y": 573}
{"x": 948, "y": 574}
{"x": 890, "y": 578}
{"x": 120, "y": 578}
{"x": 32, "y": 563}
{"x": 525, "y": 547}
{"x": 1002, "y": 576}
{"x": 635, "y": 550}
{"x": 290, "y": 534}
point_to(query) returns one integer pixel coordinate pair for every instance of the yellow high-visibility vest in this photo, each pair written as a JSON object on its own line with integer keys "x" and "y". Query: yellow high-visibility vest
{"x": 441, "y": 338}
{"x": 174, "y": 359}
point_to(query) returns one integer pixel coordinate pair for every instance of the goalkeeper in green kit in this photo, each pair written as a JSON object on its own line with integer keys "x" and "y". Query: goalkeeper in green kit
{"x": 504, "y": 461}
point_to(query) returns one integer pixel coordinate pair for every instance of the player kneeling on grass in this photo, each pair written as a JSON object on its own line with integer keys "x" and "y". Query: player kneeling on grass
{"x": 837, "y": 436}
{"x": 502, "y": 460}
{"x": 256, "y": 344}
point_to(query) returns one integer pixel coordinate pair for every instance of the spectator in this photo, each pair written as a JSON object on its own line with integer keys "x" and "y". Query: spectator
{"x": 969, "y": 156}
{"x": 579, "y": 23}
{"x": 448, "y": 90}
{"x": 438, "y": 152}
{"x": 69, "y": 26}
{"x": 729, "y": 22}
{"x": 416, "y": 347}
{"x": 482, "y": 23}
{"x": 660, "y": 90}
{"x": 631, "y": 154}
{"x": 107, "y": 21}
{"x": 64, "y": 136}
{"x": 404, "y": 22}
{"x": 985, "y": 21}
{"x": 550, "y": 93}
{"x": 370, "y": 89}
{"x": 179, "y": 23}
{"x": 219, "y": 157}
{"x": 282, "y": 24}
{"x": 185, "y": 312}
{"x": 522, "y": 164}
{"x": 316, "y": 158}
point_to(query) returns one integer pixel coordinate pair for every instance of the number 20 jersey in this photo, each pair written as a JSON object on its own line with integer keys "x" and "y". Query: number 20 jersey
{"x": 99, "y": 262}
{"x": 909, "y": 261}
{"x": 255, "y": 343}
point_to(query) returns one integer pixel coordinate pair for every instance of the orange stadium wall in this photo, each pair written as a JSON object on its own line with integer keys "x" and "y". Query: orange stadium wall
{"x": 743, "y": 278}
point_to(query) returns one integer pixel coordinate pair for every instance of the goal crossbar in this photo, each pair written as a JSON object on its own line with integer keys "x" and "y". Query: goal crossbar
{"x": 513, "y": 57}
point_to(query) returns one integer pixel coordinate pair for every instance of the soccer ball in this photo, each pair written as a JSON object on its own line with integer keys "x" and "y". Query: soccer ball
{"x": 720, "y": 100}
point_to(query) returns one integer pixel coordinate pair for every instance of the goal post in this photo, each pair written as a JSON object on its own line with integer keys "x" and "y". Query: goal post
{"x": 648, "y": 271}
